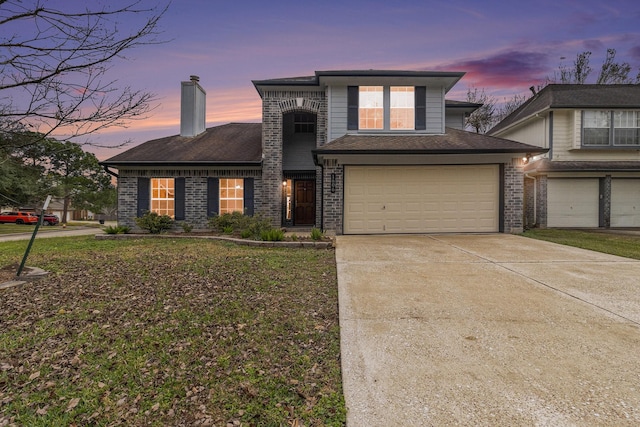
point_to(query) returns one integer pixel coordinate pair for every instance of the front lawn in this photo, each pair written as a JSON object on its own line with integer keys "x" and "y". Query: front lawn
{"x": 170, "y": 332}
{"x": 615, "y": 244}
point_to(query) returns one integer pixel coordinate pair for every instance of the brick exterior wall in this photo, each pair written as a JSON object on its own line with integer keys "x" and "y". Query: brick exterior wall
{"x": 195, "y": 191}
{"x": 333, "y": 200}
{"x": 606, "y": 202}
{"x": 127, "y": 200}
{"x": 541, "y": 201}
{"x": 513, "y": 196}
{"x": 274, "y": 105}
{"x": 529, "y": 203}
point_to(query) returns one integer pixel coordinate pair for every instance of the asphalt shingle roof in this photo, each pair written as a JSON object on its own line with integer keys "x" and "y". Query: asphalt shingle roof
{"x": 454, "y": 141}
{"x": 574, "y": 96}
{"x": 546, "y": 165}
{"x": 239, "y": 143}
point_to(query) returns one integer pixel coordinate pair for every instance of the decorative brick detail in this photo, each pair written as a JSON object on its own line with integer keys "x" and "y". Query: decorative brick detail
{"x": 274, "y": 105}
{"x": 513, "y": 196}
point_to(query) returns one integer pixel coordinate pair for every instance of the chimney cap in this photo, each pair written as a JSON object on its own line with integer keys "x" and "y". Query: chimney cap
{"x": 194, "y": 78}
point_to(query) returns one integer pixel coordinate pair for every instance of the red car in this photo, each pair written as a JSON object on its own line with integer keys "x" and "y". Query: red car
{"x": 50, "y": 219}
{"x": 18, "y": 218}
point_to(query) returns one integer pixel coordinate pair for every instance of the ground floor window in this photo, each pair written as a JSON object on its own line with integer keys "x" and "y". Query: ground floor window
{"x": 163, "y": 196}
{"x": 231, "y": 195}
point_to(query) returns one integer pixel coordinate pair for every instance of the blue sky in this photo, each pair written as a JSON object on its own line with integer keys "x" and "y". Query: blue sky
{"x": 504, "y": 47}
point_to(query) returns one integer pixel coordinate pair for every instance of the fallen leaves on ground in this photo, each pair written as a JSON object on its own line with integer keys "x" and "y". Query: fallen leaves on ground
{"x": 166, "y": 332}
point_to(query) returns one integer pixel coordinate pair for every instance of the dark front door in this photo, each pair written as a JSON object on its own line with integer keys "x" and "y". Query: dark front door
{"x": 305, "y": 203}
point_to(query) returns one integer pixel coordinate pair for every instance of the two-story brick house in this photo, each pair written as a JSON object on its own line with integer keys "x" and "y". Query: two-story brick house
{"x": 590, "y": 177}
{"x": 353, "y": 152}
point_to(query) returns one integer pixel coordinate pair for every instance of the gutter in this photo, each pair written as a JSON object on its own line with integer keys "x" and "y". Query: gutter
{"x": 110, "y": 172}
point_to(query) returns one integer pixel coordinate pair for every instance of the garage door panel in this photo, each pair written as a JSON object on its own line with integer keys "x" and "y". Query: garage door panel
{"x": 573, "y": 202}
{"x": 417, "y": 199}
{"x": 625, "y": 202}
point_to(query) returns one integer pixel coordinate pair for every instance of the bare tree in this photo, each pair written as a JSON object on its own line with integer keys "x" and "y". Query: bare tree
{"x": 483, "y": 118}
{"x": 611, "y": 71}
{"x": 54, "y": 63}
{"x": 509, "y": 106}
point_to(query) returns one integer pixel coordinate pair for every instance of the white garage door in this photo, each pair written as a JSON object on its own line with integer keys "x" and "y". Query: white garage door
{"x": 421, "y": 199}
{"x": 625, "y": 202}
{"x": 573, "y": 202}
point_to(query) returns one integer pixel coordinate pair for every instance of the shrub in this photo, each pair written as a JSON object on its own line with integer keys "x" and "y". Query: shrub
{"x": 316, "y": 234}
{"x": 154, "y": 223}
{"x": 235, "y": 220}
{"x": 272, "y": 235}
{"x": 117, "y": 229}
{"x": 186, "y": 227}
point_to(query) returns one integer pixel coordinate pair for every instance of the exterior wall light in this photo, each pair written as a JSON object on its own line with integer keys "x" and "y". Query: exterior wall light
{"x": 333, "y": 182}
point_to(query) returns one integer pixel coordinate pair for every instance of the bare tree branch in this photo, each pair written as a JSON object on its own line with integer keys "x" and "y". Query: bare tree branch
{"x": 54, "y": 65}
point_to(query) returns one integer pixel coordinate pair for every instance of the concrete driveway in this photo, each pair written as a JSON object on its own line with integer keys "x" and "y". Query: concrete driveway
{"x": 487, "y": 330}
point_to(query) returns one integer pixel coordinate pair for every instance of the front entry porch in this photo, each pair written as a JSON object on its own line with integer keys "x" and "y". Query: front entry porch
{"x": 299, "y": 201}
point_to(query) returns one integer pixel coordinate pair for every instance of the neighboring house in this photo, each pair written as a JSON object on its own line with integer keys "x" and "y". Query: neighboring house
{"x": 590, "y": 176}
{"x": 350, "y": 152}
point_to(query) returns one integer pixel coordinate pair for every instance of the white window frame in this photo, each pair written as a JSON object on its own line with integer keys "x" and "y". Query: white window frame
{"x": 616, "y": 122}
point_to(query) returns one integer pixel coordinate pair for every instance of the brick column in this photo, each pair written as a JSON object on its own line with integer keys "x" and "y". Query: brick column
{"x": 541, "y": 201}
{"x": 333, "y": 197}
{"x": 513, "y": 196}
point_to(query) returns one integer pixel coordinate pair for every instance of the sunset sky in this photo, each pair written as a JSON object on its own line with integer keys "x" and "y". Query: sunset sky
{"x": 503, "y": 46}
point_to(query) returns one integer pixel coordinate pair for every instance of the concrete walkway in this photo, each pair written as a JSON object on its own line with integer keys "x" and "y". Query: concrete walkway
{"x": 485, "y": 330}
{"x": 48, "y": 233}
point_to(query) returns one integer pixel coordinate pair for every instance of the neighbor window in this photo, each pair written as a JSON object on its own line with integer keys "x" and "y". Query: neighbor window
{"x": 402, "y": 107}
{"x": 231, "y": 195}
{"x": 596, "y": 126}
{"x": 371, "y": 108}
{"x": 610, "y": 128}
{"x": 163, "y": 196}
{"x": 626, "y": 126}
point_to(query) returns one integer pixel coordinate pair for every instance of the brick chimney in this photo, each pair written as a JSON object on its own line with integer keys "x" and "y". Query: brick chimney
{"x": 192, "y": 108}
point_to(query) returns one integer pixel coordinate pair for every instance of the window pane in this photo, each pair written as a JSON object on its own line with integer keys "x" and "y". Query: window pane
{"x": 371, "y": 107}
{"x": 596, "y": 126}
{"x": 231, "y": 195}
{"x": 162, "y": 196}
{"x": 626, "y": 128}
{"x": 402, "y": 114}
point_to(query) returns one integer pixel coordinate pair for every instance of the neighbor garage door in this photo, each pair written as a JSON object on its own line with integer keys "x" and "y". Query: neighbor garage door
{"x": 421, "y": 199}
{"x": 572, "y": 202}
{"x": 625, "y": 202}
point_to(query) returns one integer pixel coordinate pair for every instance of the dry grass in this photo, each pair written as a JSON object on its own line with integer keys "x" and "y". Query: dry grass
{"x": 170, "y": 332}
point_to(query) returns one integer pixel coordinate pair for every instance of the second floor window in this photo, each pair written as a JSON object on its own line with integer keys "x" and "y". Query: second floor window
{"x": 394, "y": 108}
{"x": 610, "y": 128}
{"x": 626, "y": 126}
{"x": 371, "y": 107}
{"x": 402, "y": 113}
